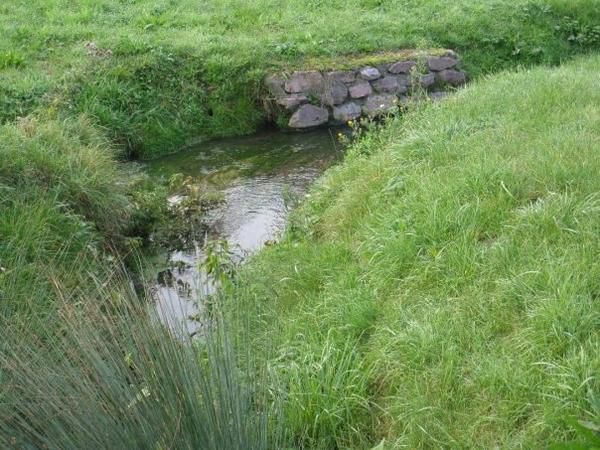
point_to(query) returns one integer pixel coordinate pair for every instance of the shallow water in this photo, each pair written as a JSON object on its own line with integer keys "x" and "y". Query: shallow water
{"x": 255, "y": 176}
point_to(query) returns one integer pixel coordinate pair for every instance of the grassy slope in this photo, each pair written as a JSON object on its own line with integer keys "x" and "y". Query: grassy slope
{"x": 182, "y": 69}
{"x": 186, "y": 68}
{"x": 446, "y": 272}
{"x": 61, "y": 198}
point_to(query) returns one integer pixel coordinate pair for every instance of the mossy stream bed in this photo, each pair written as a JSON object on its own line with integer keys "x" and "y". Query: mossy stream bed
{"x": 258, "y": 179}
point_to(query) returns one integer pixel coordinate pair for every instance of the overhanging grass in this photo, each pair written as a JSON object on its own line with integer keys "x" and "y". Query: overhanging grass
{"x": 62, "y": 203}
{"x": 457, "y": 249}
{"x": 115, "y": 378}
{"x": 185, "y": 68}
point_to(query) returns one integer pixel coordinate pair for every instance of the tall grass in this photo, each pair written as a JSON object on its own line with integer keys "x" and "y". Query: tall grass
{"x": 456, "y": 251}
{"x": 63, "y": 202}
{"x": 115, "y": 378}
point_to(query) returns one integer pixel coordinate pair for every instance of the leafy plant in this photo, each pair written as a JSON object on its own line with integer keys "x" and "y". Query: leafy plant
{"x": 578, "y": 33}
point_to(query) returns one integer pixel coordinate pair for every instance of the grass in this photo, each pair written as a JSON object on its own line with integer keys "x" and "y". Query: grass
{"x": 439, "y": 288}
{"x": 62, "y": 205}
{"x": 182, "y": 69}
{"x": 115, "y": 378}
{"x": 454, "y": 254}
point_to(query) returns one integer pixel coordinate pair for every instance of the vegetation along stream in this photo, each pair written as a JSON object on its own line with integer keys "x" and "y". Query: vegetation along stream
{"x": 256, "y": 180}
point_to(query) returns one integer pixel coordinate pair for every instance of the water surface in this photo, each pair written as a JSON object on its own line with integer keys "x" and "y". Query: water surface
{"x": 256, "y": 177}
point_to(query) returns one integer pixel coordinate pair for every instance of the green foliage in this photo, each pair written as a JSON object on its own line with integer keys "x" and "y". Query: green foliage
{"x": 579, "y": 34}
{"x": 150, "y": 104}
{"x": 587, "y": 431}
{"x": 321, "y": 387}
{"x": 10, "y": 59}
{"x": 310, "y": 348}
{"x": 177, "y": 70}
{"x": 219, "y": 263}
{"x": 455, "y": 250}
{"x": 68, "y": 161}
{"x": 588, "y": 438}
{"x": 439, "y": 289}
{"x": 168, "y": 214}
{"x": 115, "y": 378}
{"x": 62, "y": 202}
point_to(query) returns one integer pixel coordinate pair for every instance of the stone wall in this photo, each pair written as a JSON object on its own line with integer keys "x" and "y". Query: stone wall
{"x": 313, "y": 98}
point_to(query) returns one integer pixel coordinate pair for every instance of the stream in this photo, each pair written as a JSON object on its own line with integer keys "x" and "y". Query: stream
{"x": 255, "y": 177}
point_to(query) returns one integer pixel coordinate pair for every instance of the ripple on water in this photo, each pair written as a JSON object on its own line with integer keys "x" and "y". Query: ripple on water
{"x": 255, "y": 175}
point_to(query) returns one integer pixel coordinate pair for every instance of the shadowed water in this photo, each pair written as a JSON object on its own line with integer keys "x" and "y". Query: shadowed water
{"x": 256, "y": 176}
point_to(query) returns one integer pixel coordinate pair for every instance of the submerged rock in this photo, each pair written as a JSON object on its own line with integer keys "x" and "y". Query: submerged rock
{"x": 309, "y": 116}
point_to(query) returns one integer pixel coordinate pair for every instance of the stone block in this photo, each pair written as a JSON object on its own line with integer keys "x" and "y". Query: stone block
{"x": 379, "y": 104}
{"x": 370, "y": 73}
{"x": 305, "y": 82}
{"x": 426, "y": 81}
{"x": 439, "y": 63}
{"x": 309, "y": 116}
{"x": 390, "y": 85}
{"x": 274, "y": 85}
{"x": 347, "y": 77}
{"x": 452, "y": 77}
{"x": 361, "y": 89}
{"x": 402, "y": 67}
{"x": 335, "y": 93}
{"x": 291, "y": 101}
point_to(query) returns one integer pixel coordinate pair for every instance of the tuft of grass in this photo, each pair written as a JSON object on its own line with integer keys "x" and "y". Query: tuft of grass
{"x": 114, "y": 377}
{"x": 323, "y": 386}
{"x": 456, "y": 250}
{"x": 62, "y": 204}
{"x": 10, "y": 59}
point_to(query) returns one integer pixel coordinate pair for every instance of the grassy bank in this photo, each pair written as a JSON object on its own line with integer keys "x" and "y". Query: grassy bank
{"x": 440, "y": 287}
{"x": 84, "y": 83}
{"x": 160, "y": 73}
{"x": 62, "y": 204}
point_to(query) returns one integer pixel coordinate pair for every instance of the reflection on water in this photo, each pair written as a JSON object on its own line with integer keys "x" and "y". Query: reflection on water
{"x": 255, "y": 175}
